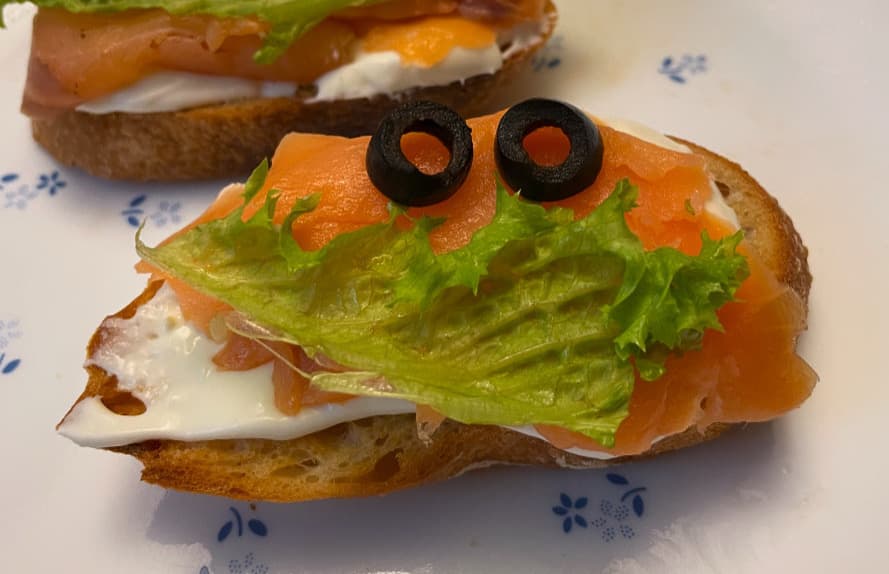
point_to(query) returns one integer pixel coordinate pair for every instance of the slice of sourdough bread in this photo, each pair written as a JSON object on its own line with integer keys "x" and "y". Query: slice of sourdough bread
{"x": 229, "y": 140}
{"x": 382, "y": 454}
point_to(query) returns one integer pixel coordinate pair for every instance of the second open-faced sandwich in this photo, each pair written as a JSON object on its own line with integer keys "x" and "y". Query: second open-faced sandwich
{"x": 535, "y": 287}
{"x": 169, "y": 90}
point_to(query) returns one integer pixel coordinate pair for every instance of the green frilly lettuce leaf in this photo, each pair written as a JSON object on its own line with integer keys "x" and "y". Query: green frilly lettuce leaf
{"x": 289, "y": 19}
{"x": 538, "y": 320}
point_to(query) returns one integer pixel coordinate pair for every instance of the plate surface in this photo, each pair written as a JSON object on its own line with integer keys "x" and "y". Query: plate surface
{"x": 795, "y": 91}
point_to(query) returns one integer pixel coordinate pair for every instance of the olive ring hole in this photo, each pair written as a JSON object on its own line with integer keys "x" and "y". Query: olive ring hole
{"x": 547, "y": 146}
{"x": 432, "y": 156}
{"x": 396, "y": 176}
{"x": 537, "y": 182}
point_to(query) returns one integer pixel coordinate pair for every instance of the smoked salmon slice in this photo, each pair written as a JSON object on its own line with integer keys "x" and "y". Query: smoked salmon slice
{"x": 748, "y": 372}
{"x": 79, "y": 57}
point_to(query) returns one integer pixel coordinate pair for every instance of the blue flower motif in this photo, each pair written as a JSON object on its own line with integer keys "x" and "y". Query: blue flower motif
{"x": 550, "y": 56}
{"x": 612, "y": 521}
{"x": 599, "y": 522}
{"x": 51, "y": 182}
{"x": 678, "y": 70}
{"x": 614, "y": 516}
{"x": 167, "y": 212}
{"x": 609, "y": 532}
{"x": 133, "y": 213}
{"x": 636, "y": 493}
{"x": 255, "y": 526}
{"x": 7, "y": 367}
{"x": 616, "y": 512}
{"x": 617, "y": 479}
{"x": 696, "y": 64}
{"x": 621, "y": 512}
{"x": 9, "y": 330}
{"x": 247, "y": 566}
{"x": 18, "y": 198}
{"x": 568, "y": 508}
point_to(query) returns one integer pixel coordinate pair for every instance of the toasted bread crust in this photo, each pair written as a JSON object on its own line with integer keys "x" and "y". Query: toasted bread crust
{"x": 373, "y": 456}
{"x": 766, "y": 226}
{"x": 229, "y": 140}
{"x": 382, "y": 454}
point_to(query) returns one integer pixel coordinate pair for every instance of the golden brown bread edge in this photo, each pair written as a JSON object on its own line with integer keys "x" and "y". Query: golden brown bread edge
{"x": 383, "y": 454}
{"x": 229, "y": 140}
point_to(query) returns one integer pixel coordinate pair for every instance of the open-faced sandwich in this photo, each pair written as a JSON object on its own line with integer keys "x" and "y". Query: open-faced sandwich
{"x": 172, "y": 90}
{"x": 535, "y": 287}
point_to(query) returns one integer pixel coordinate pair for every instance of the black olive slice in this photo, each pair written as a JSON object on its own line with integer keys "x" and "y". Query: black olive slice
{"x": 548, "y": 183}
{"x": 400, "y": 180}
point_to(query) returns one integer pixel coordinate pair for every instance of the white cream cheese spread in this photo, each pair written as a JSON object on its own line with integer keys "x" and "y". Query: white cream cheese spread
{"x": 167, "y": 364}
{"x": 645, "y": 133}
{"x": 174, "y": 91}
{"x": 717, "y": 206}
{"x": 376, "y": 73}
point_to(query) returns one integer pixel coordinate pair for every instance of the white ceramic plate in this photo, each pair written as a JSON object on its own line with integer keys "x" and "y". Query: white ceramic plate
{"x": 795, "y": 91}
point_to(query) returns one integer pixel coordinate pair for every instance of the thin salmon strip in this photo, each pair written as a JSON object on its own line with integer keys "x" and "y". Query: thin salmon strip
{"x": 241, "y": 353}
{"x": 349, "y": 200}
{"x": 91, "y": 55}
{"x": 292, "y": 390}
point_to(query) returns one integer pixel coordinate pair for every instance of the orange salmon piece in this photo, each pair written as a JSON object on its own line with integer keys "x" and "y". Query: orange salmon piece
{"x": 289, "y": 385}
{"x": 240, "y": 354}
{"x": 349, "y": 200}
{"x": 429, "y": 419}
{"x": 313, "y": 396}
{"x": 428, "y": 41}
{"x": 748, "y": 373}
{"x": 91, "y": 55}
{"x": 731, "y": 378}
{"x": 292, "y": 390}
{"x": 197, "y": 307}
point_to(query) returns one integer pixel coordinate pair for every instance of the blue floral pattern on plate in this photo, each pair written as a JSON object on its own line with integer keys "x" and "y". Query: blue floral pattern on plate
{"x": 51, "y": 182}
{"x": 10, "y": 330}
{"x": 234, "y": 528}
{"x": 550, "y": 56}
{"x": 679, "y": 69}
{"x": 18, "y": 195}
{"x": 248, "y": 565}
{"x": 255, "y": 526}
{"x": 161, "y": 214}
{"x": 612, "y": 515}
